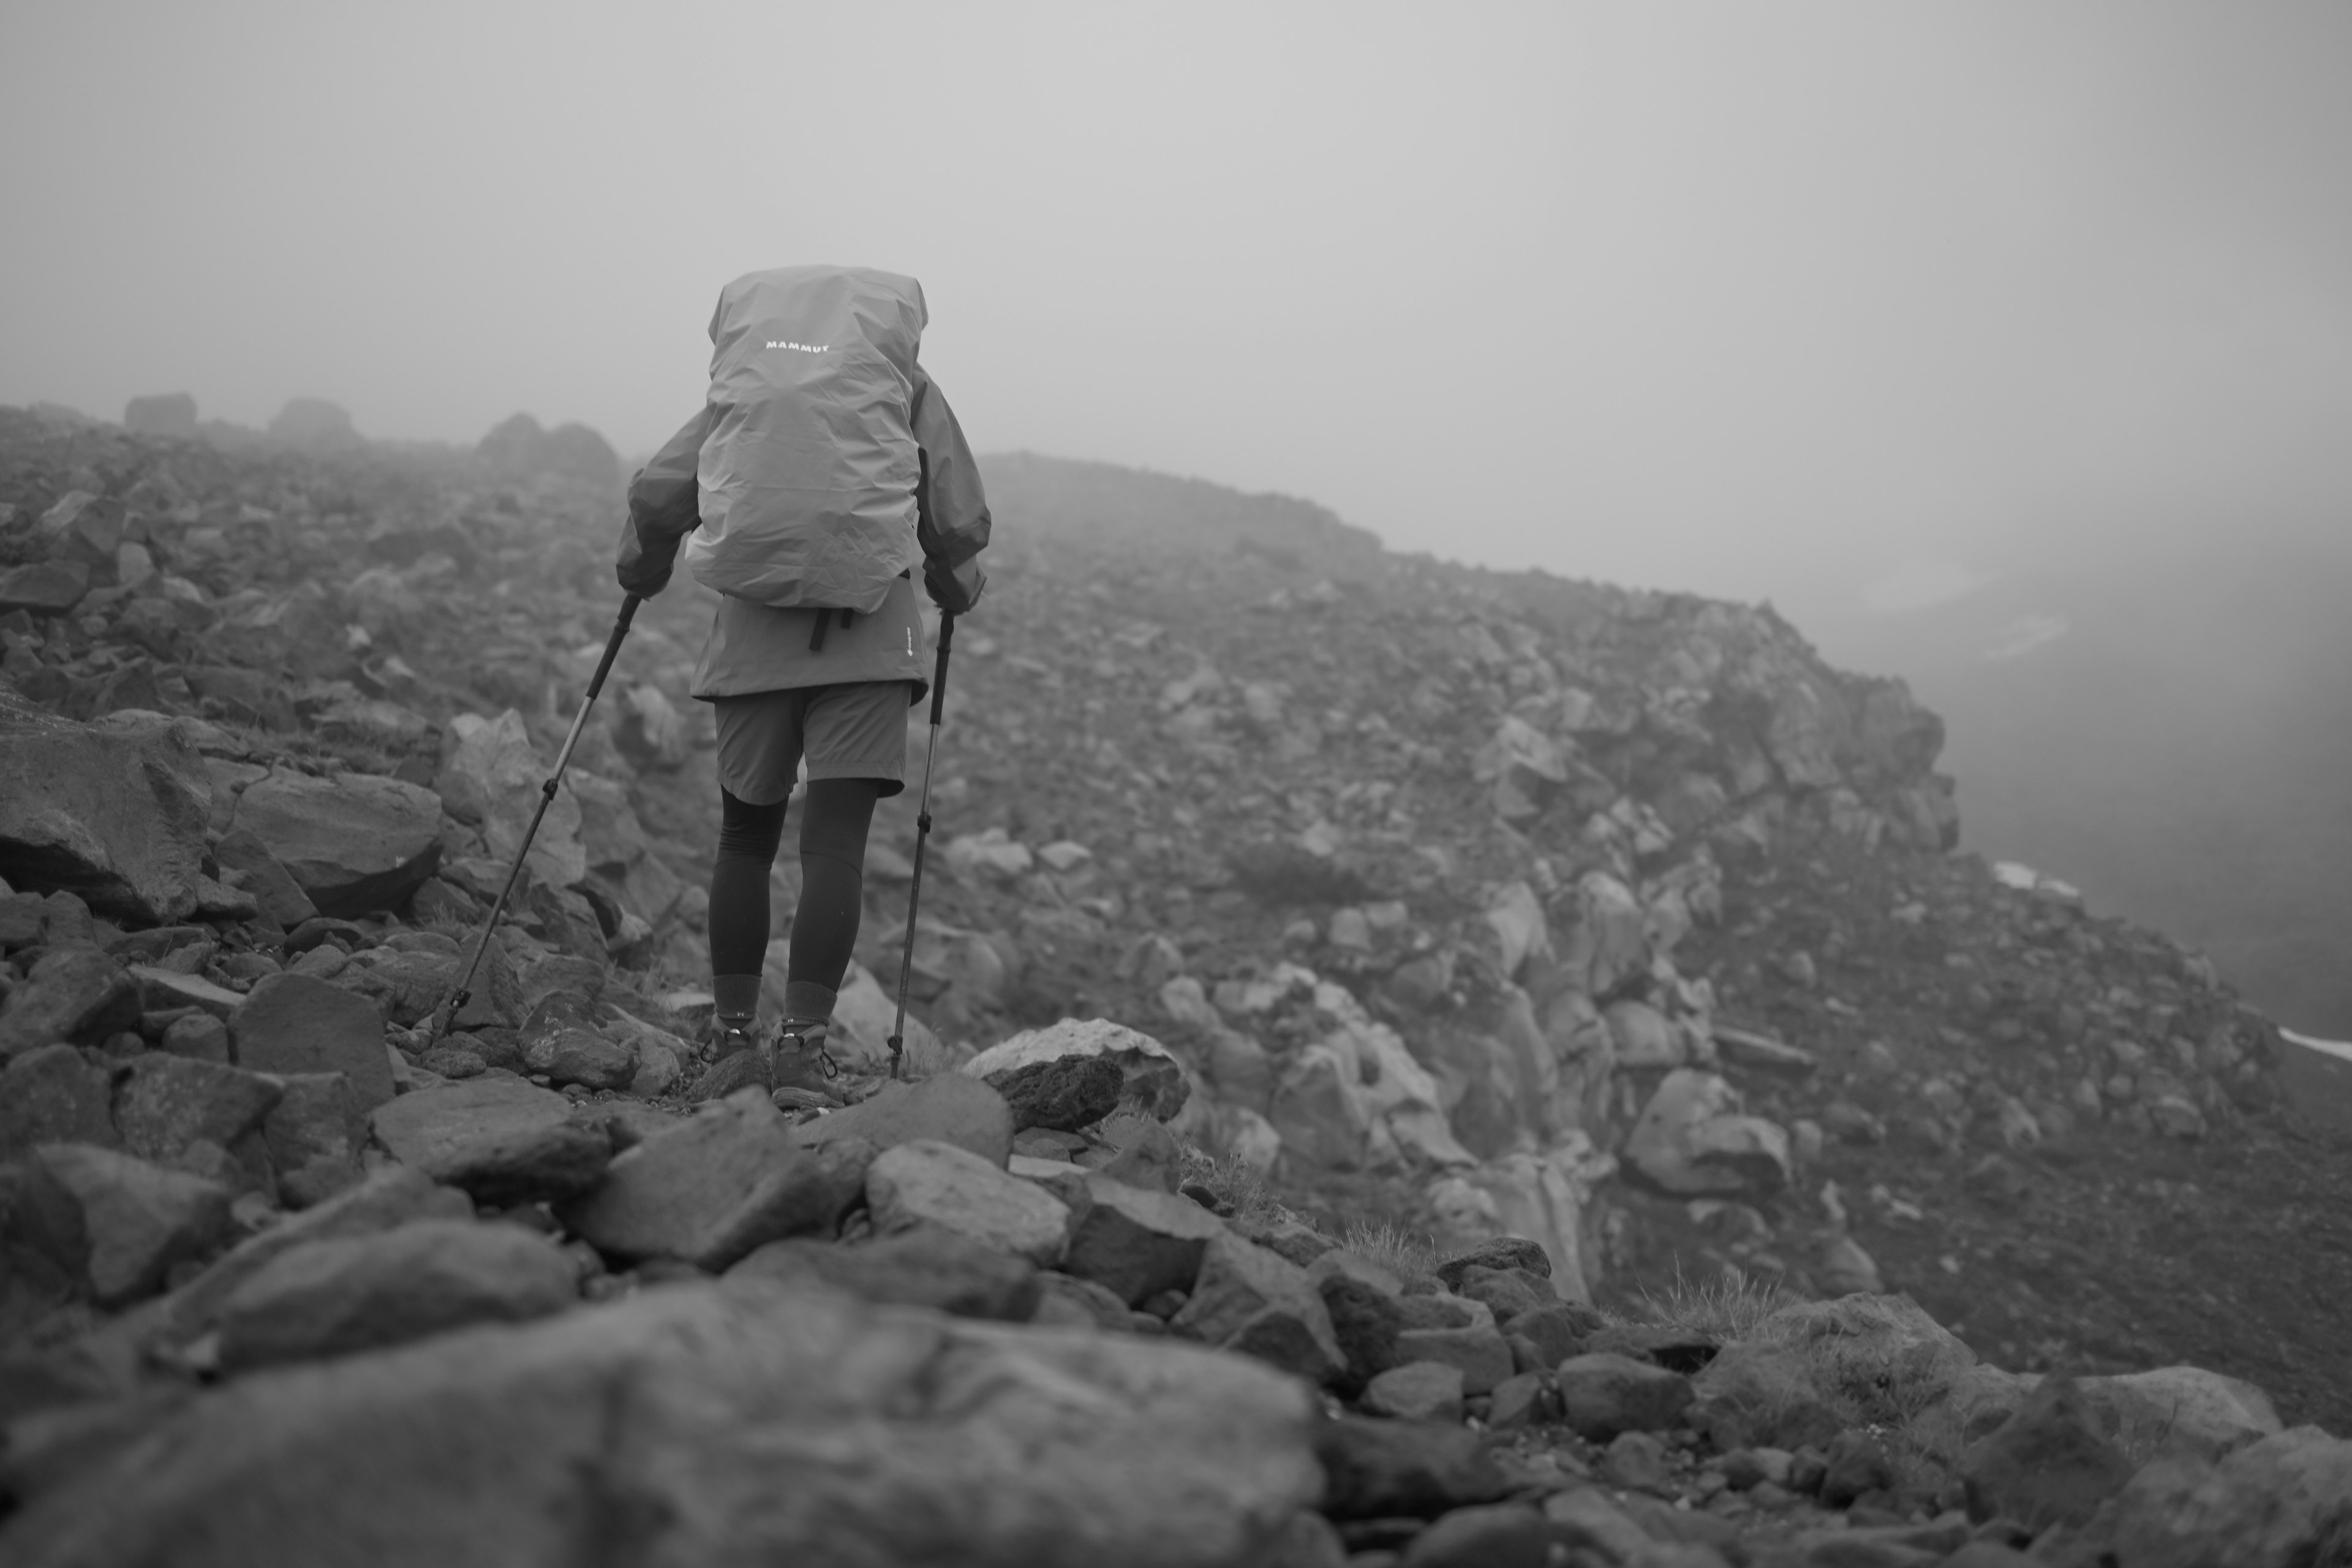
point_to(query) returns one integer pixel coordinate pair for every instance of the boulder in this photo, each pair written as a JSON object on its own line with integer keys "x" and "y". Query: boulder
{"x": 1247, "y": 1298}
{"x": 907, "y": 1437}
{"x": 117, "y": 817}
{"x": 296, "y": 1024}
{"x": 2178, "y": 1412}
{"x": 1315, "y": 1110}
{"x": 931, "y": 1182}
{"x": 2047, "y": 1464}
{"x": 161, "y": 414}
{"x": 2278, "y": 1503}
{"x": 924, "y": 1266}
{"x": 1602, "y": 1394}
{"x": 1692, "y": 1139}
{"x": 1387, "y": 1469}
{"x": 1361, "y": 1298}
{"x": 560, "y": 1039}
{"x": 949, "y": 1108}
{"x": 500, "y": 1138}
{"x": 1507, "y": 1252}
{"x": 1136, "y": 1243}
{"x": 354, "y": 842}
{"x": 332, "y": 1296}
{"x": 43, "y": 587}
{"x": 491, "y": 779}
{"x": 1417, "y": 1391}
{"x": 50, "y": 1095}
{"x": 164, "y": 1103}
{"x": 316, "y": 1134}
{"x": 708, "y": 1190}
{"x": 394, "y": 1195}
{"x": 72, "y": 994}
{"x": 1151, "y": 1079}
{"x": 135, "y": 1219}
{"x": 1761, "y": 1393}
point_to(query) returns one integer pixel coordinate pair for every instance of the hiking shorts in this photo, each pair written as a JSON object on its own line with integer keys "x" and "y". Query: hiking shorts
{"x": 854, "y": 730}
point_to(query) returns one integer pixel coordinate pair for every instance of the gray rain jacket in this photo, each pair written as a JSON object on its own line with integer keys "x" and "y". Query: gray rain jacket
{"x": 823, "y": 466}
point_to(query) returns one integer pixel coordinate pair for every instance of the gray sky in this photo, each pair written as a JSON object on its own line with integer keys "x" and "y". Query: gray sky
{"x": 1732, "y": 297}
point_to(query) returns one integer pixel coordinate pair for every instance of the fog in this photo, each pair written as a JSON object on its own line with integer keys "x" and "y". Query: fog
{"x": 1797, "y": 301}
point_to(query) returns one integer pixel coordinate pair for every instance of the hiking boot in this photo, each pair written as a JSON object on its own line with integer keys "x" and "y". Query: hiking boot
{"x": 737, "y": 1062}
{"x": 801, "y": 1061}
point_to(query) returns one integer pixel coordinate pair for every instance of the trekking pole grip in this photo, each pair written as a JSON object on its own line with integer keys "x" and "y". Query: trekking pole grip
{"x": 613, "y": 645}
{"x": 940, "y": 668}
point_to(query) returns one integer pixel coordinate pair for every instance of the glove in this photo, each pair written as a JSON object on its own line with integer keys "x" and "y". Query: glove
{"x": 954, "y": 589}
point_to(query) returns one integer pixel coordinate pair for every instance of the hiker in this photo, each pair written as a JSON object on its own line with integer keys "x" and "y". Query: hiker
{"x": 823, "y": 468}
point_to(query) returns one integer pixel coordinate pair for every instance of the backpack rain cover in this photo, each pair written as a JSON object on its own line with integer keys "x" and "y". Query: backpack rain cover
{"x": 809, "y": 473}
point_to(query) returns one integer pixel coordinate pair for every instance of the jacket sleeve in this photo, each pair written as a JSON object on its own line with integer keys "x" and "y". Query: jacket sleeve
{"x": 951, "y": 520}
{"x": 665, "y": 506}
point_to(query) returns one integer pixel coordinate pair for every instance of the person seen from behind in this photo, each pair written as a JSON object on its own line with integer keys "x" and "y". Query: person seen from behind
{"x": 823, "y": 469}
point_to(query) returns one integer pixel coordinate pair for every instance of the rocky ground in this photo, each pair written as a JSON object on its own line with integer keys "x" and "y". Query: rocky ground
{"x": 1541, "y": 1085}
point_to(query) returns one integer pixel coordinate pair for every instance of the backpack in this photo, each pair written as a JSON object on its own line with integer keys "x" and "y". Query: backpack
{"x": 809, "y": 473}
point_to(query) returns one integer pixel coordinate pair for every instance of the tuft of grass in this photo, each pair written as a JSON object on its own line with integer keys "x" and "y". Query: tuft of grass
{"x": 1724, "y": 1310}
{"x": 1399, "y": 1251}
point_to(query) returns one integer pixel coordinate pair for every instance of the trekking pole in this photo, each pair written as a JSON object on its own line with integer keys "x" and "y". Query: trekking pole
{"x": 458, "y": 998}
{"x": 922, "y": 834}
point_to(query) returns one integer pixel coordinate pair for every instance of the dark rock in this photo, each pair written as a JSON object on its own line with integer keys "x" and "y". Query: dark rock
{"x": 1507, "y": 1293}
{"x": 710, "y": 1189}
{"x": 1101, "y": 1305}
{"x": 1246, "y": 1298}
{"x": 135, "y": 1219}
{"x": 1637, "y": 1461}
{"x": 1378, "y": 1468}
{"x": 2046, "y": 1465}
{"x": 162, "y": 414}
{"x": 1557, "y": 1332}
{"x": 928, "y": 1266}
{"x": 72, "y": 994}
{"x": 353, "y": 1293}
{"x": 500, "y": 1138}
{"x": 164, "y": 1103}
{"x": 52, "y": 1096}
{"x": 117, "y": 817}
{"x": 1361, "y": 1298}
{"x": 1503, "y": 1252}
{"x": 949, "y": 1108}
{"x": 1602, "y": 1394}
{"x": 1857, "y": 1463}
{"x": 354, "y": 842}
{"x": 1587, "y": 1521}
{"x": 295, "y": 1024}
{"x": 1760, "y": 1392}
{"x": 1061, "y": 1093}
{"x": 1136, "y": 1243}
{"x": 45, "y": 587}
{"x": 1498, "y": 1535}
{"x": 1676, "y": 1350}
{"x": 316, "y": 1133}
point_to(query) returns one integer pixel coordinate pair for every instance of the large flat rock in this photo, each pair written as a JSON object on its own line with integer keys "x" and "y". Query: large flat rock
{"x": 733, "y": 1423}
{"x": 500, "y": 1138}
{"x": 117, "y": 817}
{"x": 300, "y": 1023}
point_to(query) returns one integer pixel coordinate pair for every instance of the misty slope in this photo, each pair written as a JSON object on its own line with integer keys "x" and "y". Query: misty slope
{"x": 2178, "y": 746}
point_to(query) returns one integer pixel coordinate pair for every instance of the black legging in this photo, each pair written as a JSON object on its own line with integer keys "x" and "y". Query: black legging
{"x": 833, "y": 868}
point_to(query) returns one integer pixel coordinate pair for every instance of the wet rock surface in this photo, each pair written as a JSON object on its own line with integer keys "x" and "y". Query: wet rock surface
{"x": 1544, "y": 1021}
